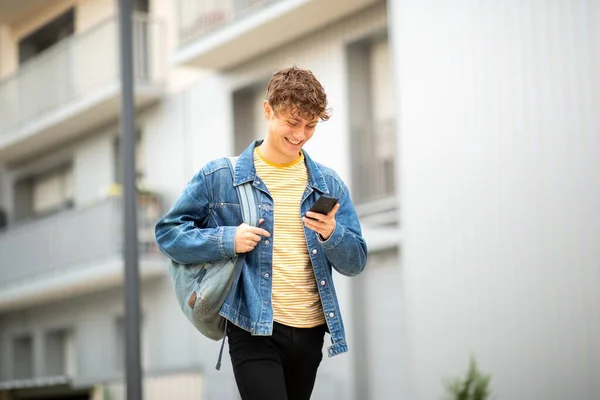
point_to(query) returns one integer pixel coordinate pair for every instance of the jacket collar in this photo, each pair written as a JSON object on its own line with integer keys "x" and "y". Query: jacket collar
{"x": 245, "y": 171}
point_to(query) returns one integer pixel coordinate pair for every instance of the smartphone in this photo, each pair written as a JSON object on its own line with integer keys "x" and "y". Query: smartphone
{"x": 324, "y": 205}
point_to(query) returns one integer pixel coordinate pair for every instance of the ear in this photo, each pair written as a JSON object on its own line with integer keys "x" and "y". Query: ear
{"x": 268, "y": 110}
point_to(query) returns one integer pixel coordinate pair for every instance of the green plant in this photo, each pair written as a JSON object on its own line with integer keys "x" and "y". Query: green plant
{"x": 474, "y": 386}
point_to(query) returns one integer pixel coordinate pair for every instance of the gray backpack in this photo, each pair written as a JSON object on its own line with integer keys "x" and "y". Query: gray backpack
{"x": 201, "y": 289}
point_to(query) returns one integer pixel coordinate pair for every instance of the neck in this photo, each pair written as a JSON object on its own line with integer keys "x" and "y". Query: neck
{"x": 270, "y": 154}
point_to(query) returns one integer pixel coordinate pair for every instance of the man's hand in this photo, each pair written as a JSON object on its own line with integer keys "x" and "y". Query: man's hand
{"x": 247, "y": 237}
{"x": 323, "y": 224}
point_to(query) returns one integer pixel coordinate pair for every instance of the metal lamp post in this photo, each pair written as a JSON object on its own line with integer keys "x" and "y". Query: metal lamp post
{"x": 132, "y": 308}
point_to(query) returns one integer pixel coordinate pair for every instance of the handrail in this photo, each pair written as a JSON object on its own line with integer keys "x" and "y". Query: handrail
{"x": 139, "y": 17}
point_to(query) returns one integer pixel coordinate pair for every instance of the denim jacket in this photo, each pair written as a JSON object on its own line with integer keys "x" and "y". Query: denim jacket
{"x": 200, "y": 228}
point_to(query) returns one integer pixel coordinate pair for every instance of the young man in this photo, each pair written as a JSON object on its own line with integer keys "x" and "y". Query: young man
{"x": 285, "y": 300}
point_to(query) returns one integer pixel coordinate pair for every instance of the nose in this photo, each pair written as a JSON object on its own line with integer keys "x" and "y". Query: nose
{"x": 299, "y": 135}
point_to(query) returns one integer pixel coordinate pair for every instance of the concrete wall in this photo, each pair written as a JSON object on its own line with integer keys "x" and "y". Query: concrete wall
{"x": 91, "y": 12}
{"x": 8, "y": 56}
{"x": 500, "y": 206}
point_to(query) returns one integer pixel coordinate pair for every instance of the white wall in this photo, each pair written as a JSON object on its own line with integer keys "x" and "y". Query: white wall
{"x": 500, "y": 207}
{"x": 378, "y": 306}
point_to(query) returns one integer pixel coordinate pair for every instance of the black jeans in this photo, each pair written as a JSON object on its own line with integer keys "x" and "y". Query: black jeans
{"x": 278, "y": 367}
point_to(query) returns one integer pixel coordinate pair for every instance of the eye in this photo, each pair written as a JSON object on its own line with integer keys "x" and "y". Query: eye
{"x": 293, "y": 124}
{"x": 311, "y": 127}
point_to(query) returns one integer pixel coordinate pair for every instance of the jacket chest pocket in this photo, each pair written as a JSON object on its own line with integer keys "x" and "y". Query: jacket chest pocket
{"x": 225, "y": 214}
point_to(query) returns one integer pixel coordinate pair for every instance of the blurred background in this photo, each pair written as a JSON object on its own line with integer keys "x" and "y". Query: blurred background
{"x": 468, "y": 133}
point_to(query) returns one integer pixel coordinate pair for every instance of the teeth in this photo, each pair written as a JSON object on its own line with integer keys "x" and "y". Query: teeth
{"x": 292, "y": 141}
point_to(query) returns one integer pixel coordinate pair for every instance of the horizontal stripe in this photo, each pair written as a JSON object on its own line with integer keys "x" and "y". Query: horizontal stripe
{"x": 295, "y": 297}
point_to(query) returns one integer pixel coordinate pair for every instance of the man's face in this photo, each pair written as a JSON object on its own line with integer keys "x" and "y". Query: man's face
{"x": 287, "y": 134}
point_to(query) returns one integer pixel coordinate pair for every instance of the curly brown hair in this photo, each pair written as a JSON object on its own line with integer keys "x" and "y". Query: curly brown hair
{"x": 299, "y": 91}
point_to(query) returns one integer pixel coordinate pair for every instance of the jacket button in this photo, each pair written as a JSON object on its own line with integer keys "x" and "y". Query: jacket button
{"x": 314, "y": 251}
{"x": 331, "y": 315}
{"x": 266, "y": 275}
{"x": 322, "y": 283}
{"x": 267, "y": 241}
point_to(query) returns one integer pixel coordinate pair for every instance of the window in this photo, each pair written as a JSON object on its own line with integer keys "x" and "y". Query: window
{"x": 47, "y": 36}
{"x": 249, "y": 121}
{"x": 53, "y": 191}
{"x": 45, "y": 193}
{"x": 372, "y": 120}
{"x": 23, "y": 357}
{"x": 59, "y": 352}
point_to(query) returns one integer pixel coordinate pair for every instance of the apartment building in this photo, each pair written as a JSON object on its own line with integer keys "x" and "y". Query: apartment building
{"x": 466, "y": 131}
{"x": 200, "y": 70}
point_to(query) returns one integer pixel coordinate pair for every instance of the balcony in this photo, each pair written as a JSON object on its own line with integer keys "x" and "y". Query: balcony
{"x": 73, "y": 252}
{"x": 74, "y": 87}
{"x": 221, "y": 34}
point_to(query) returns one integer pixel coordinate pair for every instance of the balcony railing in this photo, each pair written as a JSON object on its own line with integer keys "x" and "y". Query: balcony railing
{"x": 75, "y": 68}
{"x": 374, "y": 162}
{"x": 71, "y": 239}
{"x": 197, "y": 18}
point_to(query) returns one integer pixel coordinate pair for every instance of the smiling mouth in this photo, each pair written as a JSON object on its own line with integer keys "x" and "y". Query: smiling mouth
{"x": 294, "y": 143}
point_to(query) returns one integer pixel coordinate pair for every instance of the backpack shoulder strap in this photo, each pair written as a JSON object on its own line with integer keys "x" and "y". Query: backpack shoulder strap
{"x": 247, "y": 197}
{"x": 249, "y": 205}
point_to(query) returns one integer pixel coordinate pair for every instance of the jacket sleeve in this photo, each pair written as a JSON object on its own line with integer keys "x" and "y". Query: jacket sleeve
{"x": 346, "y": 249}
{"x": 182, "y": 234}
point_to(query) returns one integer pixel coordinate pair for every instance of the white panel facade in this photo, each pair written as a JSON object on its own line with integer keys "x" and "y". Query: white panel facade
{"x": 500, "y": 205}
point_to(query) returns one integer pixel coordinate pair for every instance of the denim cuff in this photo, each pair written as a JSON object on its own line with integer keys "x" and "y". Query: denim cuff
{"x": 334, "y": 239}
{"x": 227, "y": 240}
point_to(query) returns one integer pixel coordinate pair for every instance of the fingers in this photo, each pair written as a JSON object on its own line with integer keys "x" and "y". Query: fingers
{"x": 252, "y": 236}
{"x": 324, "y": 225}
{"x": 315, "y": 216}
{"x": 258, "y": 231}
{"x": 311, "y": 223}
{"x": 334, "y": 210}
{"x": 247, "y": 237}
{"x": 323, "y": 217}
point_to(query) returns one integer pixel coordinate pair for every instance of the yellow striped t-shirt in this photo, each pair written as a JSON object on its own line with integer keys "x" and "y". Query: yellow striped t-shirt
{"x": 295, "y": 297}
